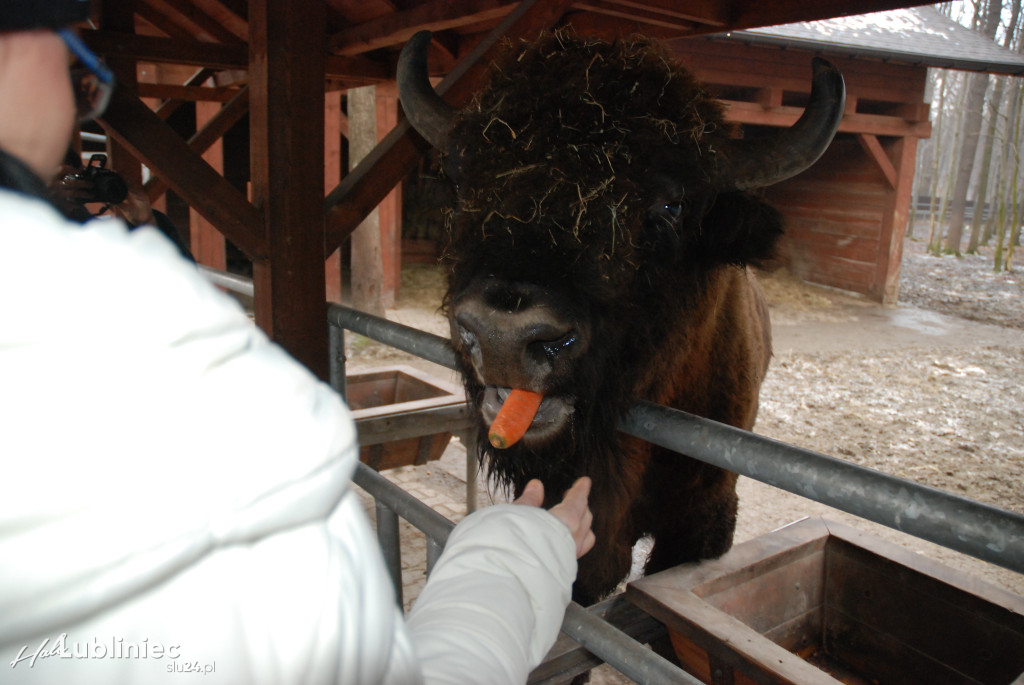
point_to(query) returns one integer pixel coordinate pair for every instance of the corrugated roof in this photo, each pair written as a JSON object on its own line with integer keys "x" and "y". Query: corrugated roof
{"x": 919, "y": 35}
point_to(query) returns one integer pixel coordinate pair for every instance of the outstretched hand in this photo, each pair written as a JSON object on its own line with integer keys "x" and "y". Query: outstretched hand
{"x": 573, "y": 510}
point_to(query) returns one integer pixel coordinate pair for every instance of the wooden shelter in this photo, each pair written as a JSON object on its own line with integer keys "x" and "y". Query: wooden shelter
{"x": 274, "y": 60}
{"x": 846, "y": 217}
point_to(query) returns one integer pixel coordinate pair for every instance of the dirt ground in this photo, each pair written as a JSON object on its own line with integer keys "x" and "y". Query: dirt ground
{"x": 931, "y": 390}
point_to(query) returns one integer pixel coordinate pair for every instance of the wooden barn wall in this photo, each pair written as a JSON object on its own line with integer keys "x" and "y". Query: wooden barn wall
{"x": 844, "y": 219}
{"x": 834, "y": 219}
{"x": 883, "y": 87}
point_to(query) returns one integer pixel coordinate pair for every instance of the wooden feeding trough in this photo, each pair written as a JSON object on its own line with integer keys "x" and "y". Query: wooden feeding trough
{"x": 403, "y": 416}
{"x": 819, "y": 602}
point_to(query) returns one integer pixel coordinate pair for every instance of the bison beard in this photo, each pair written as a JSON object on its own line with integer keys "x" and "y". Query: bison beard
{"x": 598, "y": 255}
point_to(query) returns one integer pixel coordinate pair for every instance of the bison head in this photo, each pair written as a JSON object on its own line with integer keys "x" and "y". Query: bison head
{"x": 600, "y": 192}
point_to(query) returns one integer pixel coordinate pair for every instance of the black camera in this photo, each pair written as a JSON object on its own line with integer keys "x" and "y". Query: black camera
{"x": 107, "y": 186}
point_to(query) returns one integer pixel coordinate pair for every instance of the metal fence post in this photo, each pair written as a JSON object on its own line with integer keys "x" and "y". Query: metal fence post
{"x": 390, "y": 545}
{"x": 336, "y": 350}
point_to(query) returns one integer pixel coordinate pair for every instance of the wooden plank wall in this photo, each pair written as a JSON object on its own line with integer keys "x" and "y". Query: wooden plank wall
{"x": 834, "y": 213}
{"x": 845, "y": 219}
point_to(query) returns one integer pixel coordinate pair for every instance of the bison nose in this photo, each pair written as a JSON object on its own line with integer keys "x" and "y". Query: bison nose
{"x": 519, "y": 347}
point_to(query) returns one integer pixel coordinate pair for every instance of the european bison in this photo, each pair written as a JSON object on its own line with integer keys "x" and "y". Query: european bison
{"x": 598, "y": 255}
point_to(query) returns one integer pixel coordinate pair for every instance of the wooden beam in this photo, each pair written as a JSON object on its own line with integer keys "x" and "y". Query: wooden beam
{"x": 611, "y": 28}
{"x": 634, "y": 12}
{"x": 287, "y": 170}
{"x": 358, "y": 69}
{"x": 208, "y": 245}
{"x": 118, "y": 15}
{"x": 364, "y": 188}
{"x": 769, "y": 97}
{"x": 163, "y": 23}
{"x": 894, "y": 223}
{"x": 196, "y": 21}
{"x": 112, "y": 44}
{"x": 396, "y": 28}
{"x": 710, "y": 12}
{"x": 874, "y": 149}
{"x": 874, "y": 124}
{"x": 389, "y": 211}
{"x": 239, "y": 8}
{"x": 223, "y": 13}
{"x": 197, "y": 79}
{"x": 212, "y": 131}
{"x": 335, "y": 127}
{"x": 156, "y": 145}
{"x": 169, "y": 91}
{"x": 156, "y": 49}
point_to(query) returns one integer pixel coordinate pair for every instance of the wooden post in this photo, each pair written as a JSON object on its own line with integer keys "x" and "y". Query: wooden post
{"x": 208, "y": 245}
{"x": 367, "y": 257}
{"x": 333, "y": 118}
{"x": 894, "y": 222}
{"x": 286, "y": 110}
{"x": 118, "y": 15}
{"x": 389, "y": 212}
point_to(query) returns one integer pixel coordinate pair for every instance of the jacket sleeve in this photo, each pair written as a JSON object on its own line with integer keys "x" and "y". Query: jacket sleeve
{"x": 495, "y": 600}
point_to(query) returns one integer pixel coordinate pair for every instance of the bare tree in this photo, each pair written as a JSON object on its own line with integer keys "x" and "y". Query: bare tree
{"x": 971, "y": 128}
{"x": 945, "y": 148}
{"x": 999, "y": 131}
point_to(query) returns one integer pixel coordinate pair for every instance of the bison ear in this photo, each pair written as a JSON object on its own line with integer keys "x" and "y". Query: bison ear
{"x": 739, "y": 229}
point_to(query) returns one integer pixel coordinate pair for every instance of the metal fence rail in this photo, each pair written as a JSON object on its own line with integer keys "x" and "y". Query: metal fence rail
{"x": 979, "y": 530}
{"x": 614, "y": 647}
{"x": 976, "y": 529}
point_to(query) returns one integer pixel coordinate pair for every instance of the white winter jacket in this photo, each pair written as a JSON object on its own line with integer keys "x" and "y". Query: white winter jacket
{"x": 175, "y": 496}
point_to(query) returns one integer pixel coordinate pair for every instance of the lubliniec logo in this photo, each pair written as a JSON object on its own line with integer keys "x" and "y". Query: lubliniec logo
{"x": 113, "y": 648}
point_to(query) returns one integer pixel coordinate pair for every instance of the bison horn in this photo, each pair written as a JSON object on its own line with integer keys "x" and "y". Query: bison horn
{"x": 746, "y": 164}
{"x": 428, "y": 113}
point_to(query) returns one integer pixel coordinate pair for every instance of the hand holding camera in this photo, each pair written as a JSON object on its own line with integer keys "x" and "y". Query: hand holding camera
{"x": 96, "y": 184}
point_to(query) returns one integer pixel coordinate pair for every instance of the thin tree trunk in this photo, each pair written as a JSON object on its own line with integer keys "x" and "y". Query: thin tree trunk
{"x": 981, "y": 194}
{"x": 973, "y": 112}
{"x": 1004, "y": 185}
{"x": 954, "y": 131}
{"x": 999, "y": 261}
{"x": 982, "y": 227}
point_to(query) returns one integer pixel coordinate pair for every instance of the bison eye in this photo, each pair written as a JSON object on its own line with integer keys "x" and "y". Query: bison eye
{"x": 666, "y": 214}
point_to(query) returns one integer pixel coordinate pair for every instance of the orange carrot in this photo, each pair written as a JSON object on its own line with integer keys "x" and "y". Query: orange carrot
{"x": 514, "y": 418}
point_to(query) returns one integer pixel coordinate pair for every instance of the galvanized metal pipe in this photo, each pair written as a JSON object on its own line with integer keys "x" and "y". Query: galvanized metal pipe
{"x": 625, "y": 654}
{"x": 609, "y": 643}
{"x": 434, "y": 551}
{"x": 420, "y": 343}
{"x": 983, "y": 531}
{"x": 980, "y": 530}
{"x": 233, "y": 282}
{"x": 434, "y": 525}
{"x": 336, "y": 363}
{"x": 390, "y": 545}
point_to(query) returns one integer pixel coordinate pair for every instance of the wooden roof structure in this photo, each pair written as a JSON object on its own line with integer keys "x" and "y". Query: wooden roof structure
{"x": 274, "y": 59}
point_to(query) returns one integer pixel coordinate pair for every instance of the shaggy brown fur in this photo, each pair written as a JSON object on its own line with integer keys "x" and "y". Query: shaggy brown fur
{"x": 583, "y": 169}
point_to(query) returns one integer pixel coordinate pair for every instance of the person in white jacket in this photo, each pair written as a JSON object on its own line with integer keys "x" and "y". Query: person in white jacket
{"x": 175, "y": 493}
